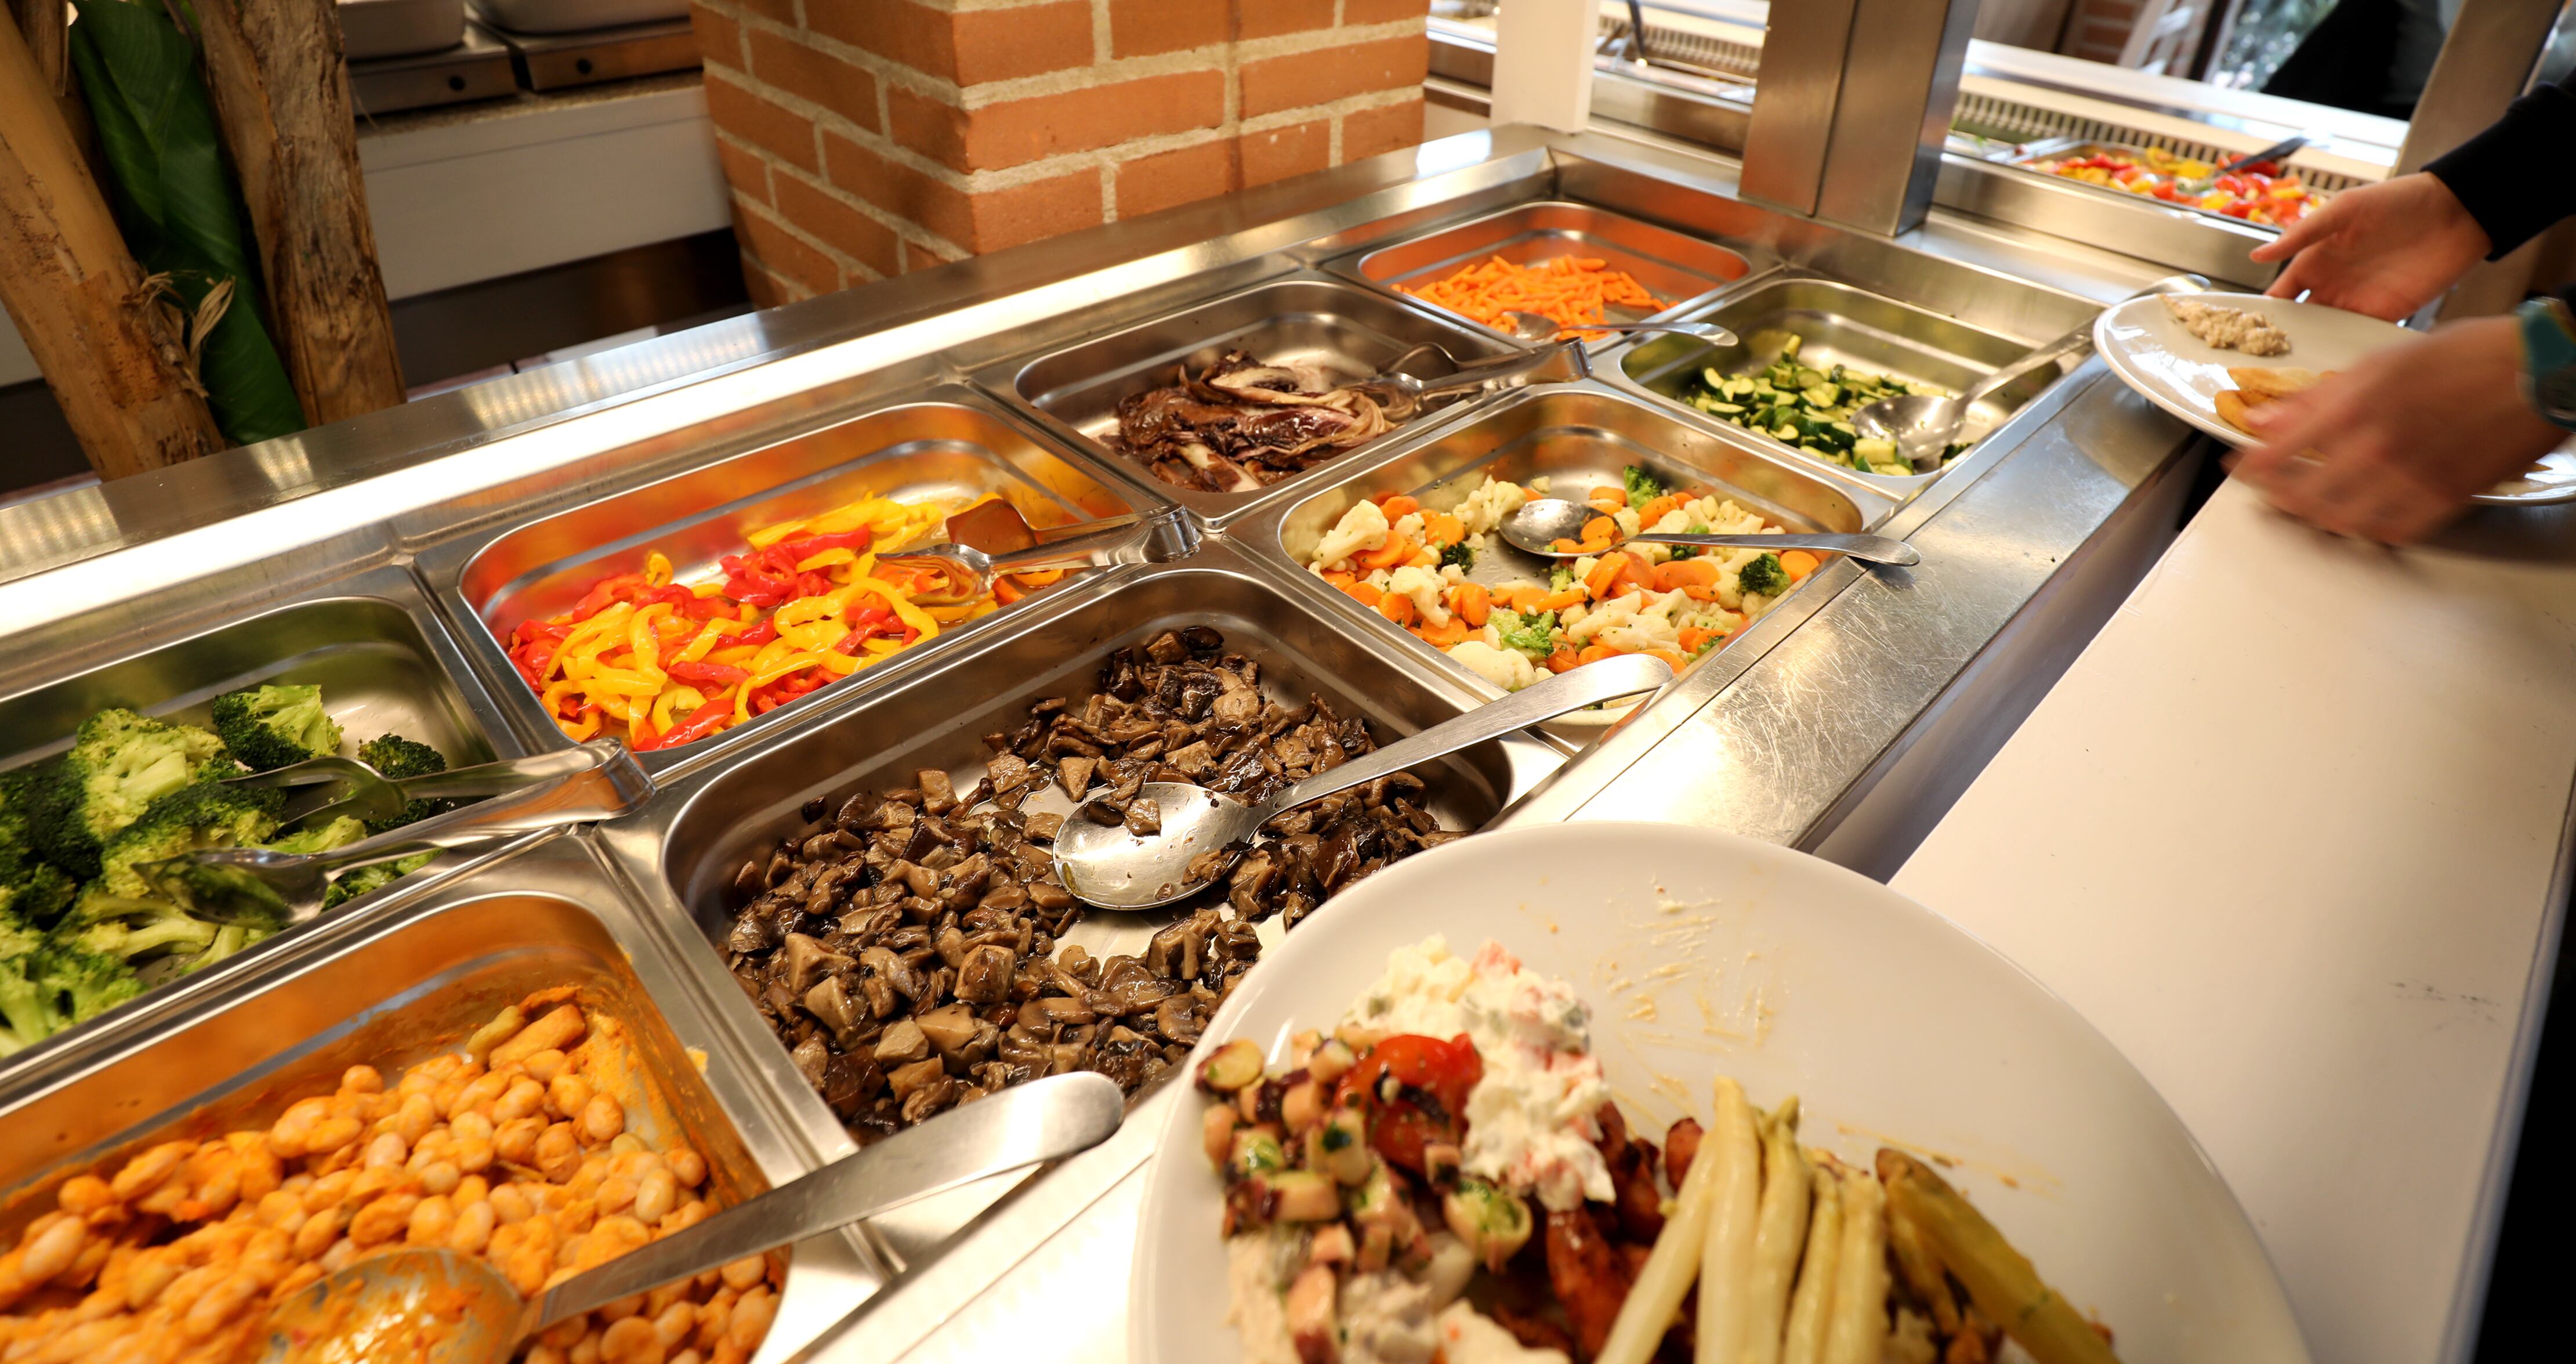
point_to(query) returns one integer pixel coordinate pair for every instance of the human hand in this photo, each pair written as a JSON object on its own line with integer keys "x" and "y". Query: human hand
{"x": 2385, "y": 249}
{"x": 2393, "y": 448}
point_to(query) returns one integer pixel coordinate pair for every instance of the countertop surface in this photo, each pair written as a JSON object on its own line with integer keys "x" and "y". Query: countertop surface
{"x": 2291, "y": 833}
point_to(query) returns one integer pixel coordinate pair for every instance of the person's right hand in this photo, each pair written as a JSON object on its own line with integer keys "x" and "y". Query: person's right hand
{"x": 2385, "y": 249}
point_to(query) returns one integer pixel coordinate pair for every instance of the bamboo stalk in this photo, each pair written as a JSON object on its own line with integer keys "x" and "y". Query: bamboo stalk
{"x": 281, "y": 92}
{"x": 114, "y": 361}
{"x": 44, "y": 22}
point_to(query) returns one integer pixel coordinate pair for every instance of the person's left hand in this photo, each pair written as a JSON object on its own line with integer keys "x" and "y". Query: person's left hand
{"x": 2393, "y": 448}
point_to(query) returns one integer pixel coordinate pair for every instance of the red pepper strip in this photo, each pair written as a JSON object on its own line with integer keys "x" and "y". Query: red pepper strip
{"x": 868, "y": 616}
{"x": 757, "y": 635}
{"x": 706, "y": 720}
{"x": 716, "y": 673}
{"x": 604, "y": 592}
{"x": 813, "y": 584}
{"x": 668, "y": 594}
{"x": 798, "y": 551}
{"x": 704, "y": 609}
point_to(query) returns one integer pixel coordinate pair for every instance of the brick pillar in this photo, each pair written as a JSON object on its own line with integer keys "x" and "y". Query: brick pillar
{"x": 865, "y": 138}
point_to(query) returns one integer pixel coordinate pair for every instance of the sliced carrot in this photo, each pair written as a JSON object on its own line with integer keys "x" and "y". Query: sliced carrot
{"x": 1396, "y": 550}
{"x": 1693, "y": 637}
{"x": 1397, "y": 607}
{"x": 1594, "y": 653}
{"x": 1472, "y": 603}
{"x": 1605, "y": 493}
{"x": 1562, "y": 661}
{"x": 1599, "y": 530}
{"x": 1799, "y": 563}
{"x": 1676, "y": 660}
{"x": 1443, "y": 529}
{"x": 1558, "y": 601}
{"x": 1399, "y": 507}
{"x": 1698, "y": 593}
{"x": 1339, "y": 578}
{"x": 1526, "y": 599}
{"x": 1658, "y": 509}
{"x": 1673, "y": 575}
{"x": 1605, "y": 570}
{"x": 1443, "y": 635}
{"x": 1360, "y": 592}
{"x": 1565, "y": 546}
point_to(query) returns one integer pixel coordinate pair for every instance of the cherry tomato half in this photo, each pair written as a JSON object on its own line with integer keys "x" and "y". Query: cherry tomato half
{"x": 1426, "y": 1101}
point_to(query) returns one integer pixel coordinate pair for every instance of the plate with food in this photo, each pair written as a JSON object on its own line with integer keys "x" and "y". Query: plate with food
{"x": 2211, "y": 358}
{"x": 1624, "y": 1092}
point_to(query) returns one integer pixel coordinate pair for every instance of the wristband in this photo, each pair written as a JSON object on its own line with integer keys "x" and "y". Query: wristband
{"x": 2549, "y": 359}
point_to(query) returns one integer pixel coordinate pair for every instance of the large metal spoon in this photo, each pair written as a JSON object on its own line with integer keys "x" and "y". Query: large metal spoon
{"x": 1537, "y": 327}
{"x": 1542, "y": 521}
{"x": 1923, "y": 425}
{"x": 1116, "y": 869}
{"x": 439, "y": 1307}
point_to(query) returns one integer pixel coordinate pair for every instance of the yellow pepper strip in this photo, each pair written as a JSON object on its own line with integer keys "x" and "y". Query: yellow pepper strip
{"x": 645, "y": 642}
{"x": 825, "y": 559}
{"x": 793, "y": 663}
{"x": 657, "y": 569}
{"x": 714, "y": 630}
{"x": 667, "y": 708}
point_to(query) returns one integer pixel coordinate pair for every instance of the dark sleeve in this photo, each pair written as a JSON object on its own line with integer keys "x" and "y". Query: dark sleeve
{"x": 2514, "y": 178}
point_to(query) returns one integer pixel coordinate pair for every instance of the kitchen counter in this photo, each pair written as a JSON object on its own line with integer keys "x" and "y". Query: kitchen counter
{"x": 2293, "y": 834}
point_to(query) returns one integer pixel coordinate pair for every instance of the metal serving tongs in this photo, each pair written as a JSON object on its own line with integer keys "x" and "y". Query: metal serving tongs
{"x": 330, "y": 788}
{"x": 2280, "y": 151}
{"x": 992, "y": 538}
{"x": 265, "y": 888}
{"x": 1402, "y": 394}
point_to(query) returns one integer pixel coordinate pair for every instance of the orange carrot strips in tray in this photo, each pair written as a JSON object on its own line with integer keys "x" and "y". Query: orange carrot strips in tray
{"x": 1571, "y": 291}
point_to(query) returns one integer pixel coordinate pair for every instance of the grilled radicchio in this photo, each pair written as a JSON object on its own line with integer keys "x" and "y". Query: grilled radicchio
{"x": 1240, "y": 424}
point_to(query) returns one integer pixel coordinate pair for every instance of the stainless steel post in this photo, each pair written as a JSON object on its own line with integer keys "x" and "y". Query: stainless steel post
{"x": 1793, "y": 102}
{"x": 1900, "y": 87}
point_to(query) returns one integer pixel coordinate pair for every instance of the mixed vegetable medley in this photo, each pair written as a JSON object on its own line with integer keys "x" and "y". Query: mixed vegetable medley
{"x": 660, "y": 663}
{"x": 1811, "y": 408}
{"x": 1410, "y": 564}
{"x": 2260, "y": 193}
{"x": 517, "y": 1150}
{"x": 85, "y": 922}
{"x": 1445, "y": 1177}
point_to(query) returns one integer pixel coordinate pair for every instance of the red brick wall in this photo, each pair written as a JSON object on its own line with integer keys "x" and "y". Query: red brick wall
{"x": 865, "y": 138}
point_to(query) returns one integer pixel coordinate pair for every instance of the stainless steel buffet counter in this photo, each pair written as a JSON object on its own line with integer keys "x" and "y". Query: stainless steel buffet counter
{"x": 396, "y": 547}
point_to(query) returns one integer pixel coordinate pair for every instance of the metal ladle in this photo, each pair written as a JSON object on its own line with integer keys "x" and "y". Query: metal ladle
{"x": 1922, "y": 425}
{"x": 1536, "y": 327}
{"x": 1542, "y": 521}
{"x": 440, "y": 1307}
{"x": 1116, "y": 869}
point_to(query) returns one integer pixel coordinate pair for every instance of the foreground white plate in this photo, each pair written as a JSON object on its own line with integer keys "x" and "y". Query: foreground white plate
{"x": 1701, "y": 952}
{"x": 2168, "y": 366}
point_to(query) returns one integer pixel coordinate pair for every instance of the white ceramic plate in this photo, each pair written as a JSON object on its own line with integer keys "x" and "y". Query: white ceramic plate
{"x": 1701, "y": 952}
{"x": 2168, "y": 366}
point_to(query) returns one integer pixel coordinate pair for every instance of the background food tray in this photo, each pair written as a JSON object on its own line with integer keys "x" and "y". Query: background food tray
{"x": 1840, "y": 325}
{"x": 1351, "y": 332}
{"x": 955, "y": 449}
{"x": 1676, "y": 268}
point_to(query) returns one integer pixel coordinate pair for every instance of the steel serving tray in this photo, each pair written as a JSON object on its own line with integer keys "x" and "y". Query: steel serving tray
{"x": 952, "y": 445}
{"x": 1304, "y": 320}
{"x": 1839, "y": 324}
{"x": 411, "y": 985}
{"x": 1578, "y": 437}
{"x": 1680, "y": 269}
{"x": 936, "y": 716}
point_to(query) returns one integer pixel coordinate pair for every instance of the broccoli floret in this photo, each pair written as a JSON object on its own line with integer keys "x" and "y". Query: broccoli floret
{"x": 269, "y": 727}
{"x": 1559, "y": 579}
{"x": 1643, "y": 487}
{"x": 119, "y": 763}
{"x": 1462, "y": 554}
{"x": 1764, "y": 575}
{"x": 133, "y": 929}
{"x": 353, "y": 884}
{"x": 1533, "y": 635}
{"x": 206, "y": 815}
{"x": 397, "y": 757}
{"x": 37, "y": 894}
{"x": 46, "y": 987}
{"x": 339, "y": 833}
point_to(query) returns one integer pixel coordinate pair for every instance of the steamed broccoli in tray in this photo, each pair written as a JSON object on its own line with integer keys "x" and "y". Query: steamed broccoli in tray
{"x": 1764, "y": 575}
{"x": 86, "y": 916}
{"x": 395, "y": 758}
{"x": 269, "y": 727}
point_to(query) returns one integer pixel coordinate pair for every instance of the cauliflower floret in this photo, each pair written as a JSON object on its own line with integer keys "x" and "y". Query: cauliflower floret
{"x": 1424, "y": 587}
{"x": 1379, "y": 578}
{"x": 1650, "y": 626}
{"x": 1583, "y": 567}
{"x": 1493, "y": 500}
{"x": 1627, "y": 520}
{"x": 1617, "y": 611}
{"x": 1363, "y": 527}
{"x": 1538, "y": 486}
{"x": 1508, "y": 669}
{"x": 1452, "y": 574}
{"x": 1409, "y": 526}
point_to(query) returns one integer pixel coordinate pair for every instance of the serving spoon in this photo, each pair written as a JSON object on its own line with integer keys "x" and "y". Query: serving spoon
{"x": 1542, "y": 521}
{"x": 1922, "y": 425}
{"x": 440, "y": 1307}
{"x": 1003, "y": 542}
{"x": 1113, "y": 868}
{"x": 1537, "y": 327}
